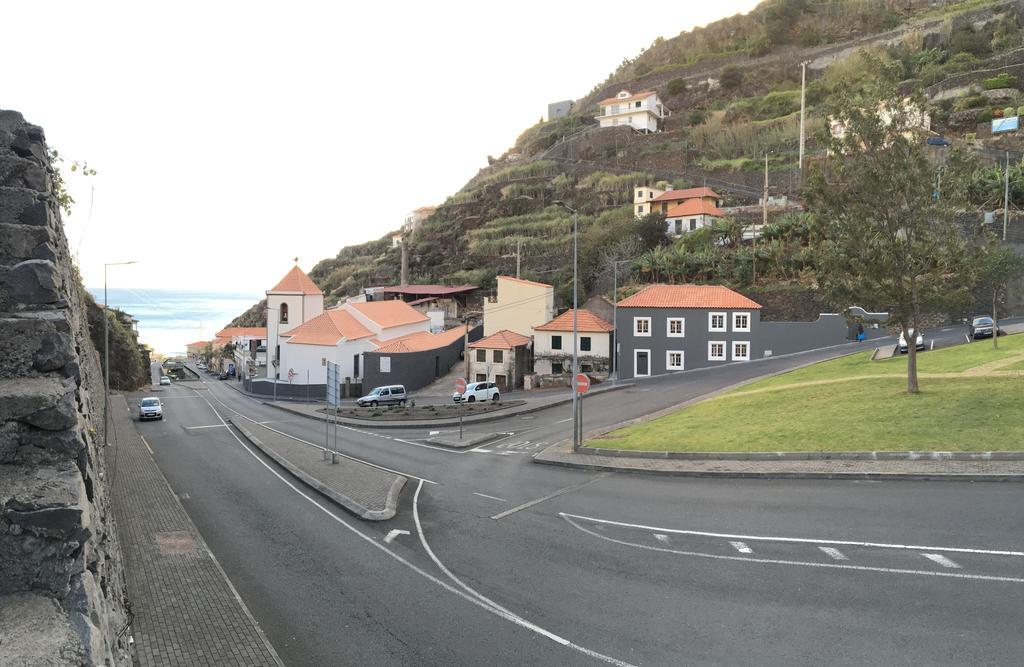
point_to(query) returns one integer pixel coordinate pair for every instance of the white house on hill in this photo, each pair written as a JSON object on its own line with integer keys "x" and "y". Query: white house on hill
{"x": 643, "y": 111}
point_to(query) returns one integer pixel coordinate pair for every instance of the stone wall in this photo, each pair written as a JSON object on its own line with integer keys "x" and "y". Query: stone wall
{"x": 62, "y": 589}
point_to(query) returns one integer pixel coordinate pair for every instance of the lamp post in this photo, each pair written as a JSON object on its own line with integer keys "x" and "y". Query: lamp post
{"x": 575, "y": 330}
{"x": 106, "y": 351}
{"x": 277, "y": 336}
{"x": 615, "y": 312}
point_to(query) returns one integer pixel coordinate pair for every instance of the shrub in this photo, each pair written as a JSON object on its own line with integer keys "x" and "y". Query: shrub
{"x": 1008, "y": 112}
{"x": 676, "y": 86}
{"x": 984, "y": 116}
{"x": 960, "y": 62}
{"x": 697, "y": 116}
{"x": 970, "y": 136}
{"x": 970, "y": 102}
{"x": 1020, "y": 111}
{"x": 731, "y": 77}
{"x": 1003, "y": 80}
{"x": 642, "y": 69}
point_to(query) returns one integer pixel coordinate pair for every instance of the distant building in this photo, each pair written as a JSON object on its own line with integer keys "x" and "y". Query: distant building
{"x": 500, "y": 358}
{"x": 413, "y": 220}
{"x": 250, "y": 349}
{"x": 518, "y": 306}
{"x": 295, "y": 300}
{"x": 670, "y": 198}
{"x": 643, "y": 112}
{"x": 643, "y": 198}
{"x": 560, "y": 109}
{"x": 552, "y": 347}
{"x": 691, "y": 215}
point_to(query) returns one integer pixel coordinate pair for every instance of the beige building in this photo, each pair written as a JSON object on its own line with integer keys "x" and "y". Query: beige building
{"x": 518, "y": 306}
{"x": 500, "y": 358}
{"x": 552, "y": 347}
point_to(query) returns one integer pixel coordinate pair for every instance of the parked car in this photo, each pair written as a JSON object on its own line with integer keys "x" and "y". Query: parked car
{"x": 165, "y": 381}
{"x": 223, "y": 376}
{"x": 150, "y": 408}
{"x": 937, "y": 141}
{"x": 390, "y": 395}
{"x": 918, "y": 342}
{"x": 478, "y": 391}
{"x": 983, "y": 327}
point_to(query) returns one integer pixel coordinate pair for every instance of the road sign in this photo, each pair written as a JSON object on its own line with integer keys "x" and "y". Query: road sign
{"x": 460, "y": 385}
{"x": 582, "y": 383}
{"x": 333, "y": 382}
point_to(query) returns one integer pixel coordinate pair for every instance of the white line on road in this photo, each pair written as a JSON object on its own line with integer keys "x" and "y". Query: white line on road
{"x": 799, "y": 540}
{"x": 562, "y": 421}
{"x": 775, "y": 561}
{"x": 484, "y": 495}
{"x": 482, "y": 450}
{"x": 834, "y": 553}
{"x": 146, "y": 444}
{"x": 661, "y": 537}
{"x": 560, "y": 492}
{"x": 967, "y": 338}
{"x": 189, "y": 428}
{"x": 393, "y": 534}
{"x": 741, "y": 547}
{"x": 942, "y": 560}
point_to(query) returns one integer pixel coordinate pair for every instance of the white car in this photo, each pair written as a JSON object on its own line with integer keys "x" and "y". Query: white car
{"x": 918, "y": 342}
{"x": 165, "y": 381}
{"x": 478, "y": 391}
{"x": 150, "y": 408}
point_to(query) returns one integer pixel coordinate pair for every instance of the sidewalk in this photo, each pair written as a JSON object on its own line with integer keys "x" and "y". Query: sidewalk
{"x": 995, "y": 470}
{"x": 186, "y": 612}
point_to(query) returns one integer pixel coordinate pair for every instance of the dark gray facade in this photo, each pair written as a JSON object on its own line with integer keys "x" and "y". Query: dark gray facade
{"x": 560, "y": 109}
{"x": 635, "y": 351}
{"x": 415, "y": 370}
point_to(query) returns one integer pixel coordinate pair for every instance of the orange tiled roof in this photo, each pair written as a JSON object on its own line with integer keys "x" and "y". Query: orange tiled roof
{"x": 585, "y": 321}
{"x": 328, "y": 328}
{"x": 391, "y": 313}
{"x": 256, "y": 332}
{"x": 425, "y": 209}
{"x": 198, "y": 343}
{"x": 523, "y": 282}
{"x": 694, "y": 207}
{"x": 631, "y": 98}
{"x": 688, "y": 296}
{"x": 688, "y": 193}
{"x": 503, "y": 340}
{"x": 296, "y": 281}
{"x": 221, "y": 341}
{"x": 421, "y": 341}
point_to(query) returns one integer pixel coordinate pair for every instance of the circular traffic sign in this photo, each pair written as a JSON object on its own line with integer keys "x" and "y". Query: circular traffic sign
{"x": 460, "y": 385}
{"x": 582, "y": 383}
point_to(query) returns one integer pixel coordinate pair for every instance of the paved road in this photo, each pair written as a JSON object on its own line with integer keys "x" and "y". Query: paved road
{"x": 509, "y": 562}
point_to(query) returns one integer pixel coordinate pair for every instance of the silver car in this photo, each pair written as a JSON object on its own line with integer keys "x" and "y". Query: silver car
{"x": 150, "y": 408}
{"x": 390, "y": 395}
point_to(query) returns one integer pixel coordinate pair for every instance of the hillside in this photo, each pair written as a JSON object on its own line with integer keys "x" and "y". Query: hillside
{"x": 734, "y": 90}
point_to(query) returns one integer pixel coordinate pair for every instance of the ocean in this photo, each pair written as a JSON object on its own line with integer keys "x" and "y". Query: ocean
{"x": 171, "y": 319}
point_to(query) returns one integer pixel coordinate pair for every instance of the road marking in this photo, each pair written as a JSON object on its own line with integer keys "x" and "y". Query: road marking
{"x": 484, "y": 495}
{"x": 834, "y": 553}
{"x": 933, "y": 344}
{"x": 494, "y": 606}
{"x": 941, "y": 560}
{"x": 661, "y": 537}
{"x": 775, "y": 561}
{"x": 741, "y": 547}
{"x": 482, "y": 450}
{"x": 147, "y": 445}
{"x": 562, "y": 421}
{"x": 967, "y": 338}
{"x": 190, "y": 428}
{"x": 798, "y": 540}
{"x": 393, "y": 534}
{"x": 560, "y": 492}
{"x": 433, "y": 433}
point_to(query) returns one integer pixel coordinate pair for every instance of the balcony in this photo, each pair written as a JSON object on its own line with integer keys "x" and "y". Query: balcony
{"x": 622, "y": 109}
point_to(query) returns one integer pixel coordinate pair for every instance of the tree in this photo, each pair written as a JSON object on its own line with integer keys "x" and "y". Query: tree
{"x": 997, "y": 266}
{"x": 652, "y": 230}
{"x": 886, "y": 241}
{"x": 731, "y": 77}
{"x": 677, "y": 86}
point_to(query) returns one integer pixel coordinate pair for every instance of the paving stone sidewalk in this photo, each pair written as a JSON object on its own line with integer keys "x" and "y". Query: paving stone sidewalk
{"x": 186, "y": 610}
{"x": 974, "y": 470}
{"x": 368, "y": 492}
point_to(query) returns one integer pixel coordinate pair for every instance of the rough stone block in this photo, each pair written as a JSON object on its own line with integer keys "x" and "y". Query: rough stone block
{"x": 21, "y": 242}
{"x": 46, "y": 403}
{"x": 34, "y": 282}
{"x": 21, "y": 206}
{"x": 22, "y": 172}
{"x": 34, "y": 630}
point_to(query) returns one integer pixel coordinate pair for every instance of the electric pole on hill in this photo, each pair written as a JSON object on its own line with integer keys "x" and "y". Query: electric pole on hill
{"x": 803, "y": 103}
{"x": 1006, "y": 194}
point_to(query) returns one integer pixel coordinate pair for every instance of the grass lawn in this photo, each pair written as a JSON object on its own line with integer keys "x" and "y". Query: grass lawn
{"x": 864, "y": 413}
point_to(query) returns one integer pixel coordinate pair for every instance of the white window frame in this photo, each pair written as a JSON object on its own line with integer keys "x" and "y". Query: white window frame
{"x": 636, "y": 320}
{"x": 668, "y": 360}
{"x": 740, "y": 342}
{"x": 682, "y": 327}
{"x": 725, "y": 322}
{"x": 725, "y": 350}
{"x": 636, "y": 353}
{"x": 385, "y": 364}
{"x": 736, "y": 327}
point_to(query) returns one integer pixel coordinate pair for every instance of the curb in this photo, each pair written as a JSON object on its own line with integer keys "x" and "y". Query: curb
{"x": 811, "y": 456}
{"x": 452, "y": 443}
{"x": 391, "y": 504}
{"x": 369, "y": 423}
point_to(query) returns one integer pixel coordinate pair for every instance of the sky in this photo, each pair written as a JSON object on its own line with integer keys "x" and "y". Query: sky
{"x": 230, "y": 137}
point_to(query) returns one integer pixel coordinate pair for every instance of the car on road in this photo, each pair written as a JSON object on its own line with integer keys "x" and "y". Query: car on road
{"x": 393, "y": 394}
{"x": 983, "y": 327}
{"x": 478, "y": 391}
{"x": 918, "y": 342}
{"x": 165, "y": 381}
{"x": 223, "y": 376}
{"x": 150, "y": 408}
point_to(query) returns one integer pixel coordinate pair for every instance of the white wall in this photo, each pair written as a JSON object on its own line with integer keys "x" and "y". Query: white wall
{"x": 600, "y": 343}
{"x": 310, "y": 357}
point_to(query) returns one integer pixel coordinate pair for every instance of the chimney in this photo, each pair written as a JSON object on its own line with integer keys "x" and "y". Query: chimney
{"x": 405, "y": 264}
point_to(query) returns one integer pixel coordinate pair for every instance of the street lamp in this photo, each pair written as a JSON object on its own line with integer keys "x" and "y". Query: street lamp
{"x": 575, "y": 330}
{"x": 615, "y": 312}
{"x": 277, "y": 336}
{"x": 106, "y": 351}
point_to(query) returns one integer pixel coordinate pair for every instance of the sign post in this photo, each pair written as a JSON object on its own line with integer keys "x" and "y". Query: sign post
{"x": 460, "y": 388}
{"x": 333, "y": 377}
{"x": 581, "y": 383}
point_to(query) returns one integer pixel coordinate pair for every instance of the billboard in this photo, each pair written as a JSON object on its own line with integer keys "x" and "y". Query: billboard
{"x": 1005, "y": 124}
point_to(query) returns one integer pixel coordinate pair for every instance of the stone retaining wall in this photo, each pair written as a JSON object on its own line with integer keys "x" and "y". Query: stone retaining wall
{"x": 62, "y": 590}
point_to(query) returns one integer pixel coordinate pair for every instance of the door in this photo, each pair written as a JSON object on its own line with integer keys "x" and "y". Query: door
{"x": 355, "y": 366}
{"x": 500, "y": 383}
{"x": 437, "y": 367}
{"x": 641, "y": 363}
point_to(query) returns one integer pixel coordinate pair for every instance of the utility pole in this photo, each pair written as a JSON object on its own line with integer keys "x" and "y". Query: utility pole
{"x": 519, "y": 254}
{"x": 1006, "y": 195}
{"x": 405, "y": 263}
{"x": 575, "y": 330}
{"x": 465, "y": 347}
{"x": 764, "y": 223}
{"x": 803, "y": 104}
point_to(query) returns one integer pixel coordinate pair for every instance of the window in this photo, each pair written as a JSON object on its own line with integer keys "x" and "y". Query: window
{"x": 586, "y": 368}
{"x": 385, "y": 364}
{"x": 556, "y": 342}
{"x": 676, "y": 327}
{"x": 481, "y": 355}
{"x": 674, "y": 360}
{"x": 641, "y": 326}
{"x": 284, "y": 313}
{"x": 637, "y": 104}
{"x": 678, "y": 224}
{"x": 480, "y": 377}
{"x": 556, "y": 368}
{"x": 585, "y": 343}
{"x": 640, "y": 208}
{"x": 716, "y": 321}
{"x": 640, "y": 194}
{"x": 716, "y": 350}
{"x": 740, "y": 351}
{"x": 693, "y": 224}
{"x": 741, "y": 321}
{"x": 498, "y": 356}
